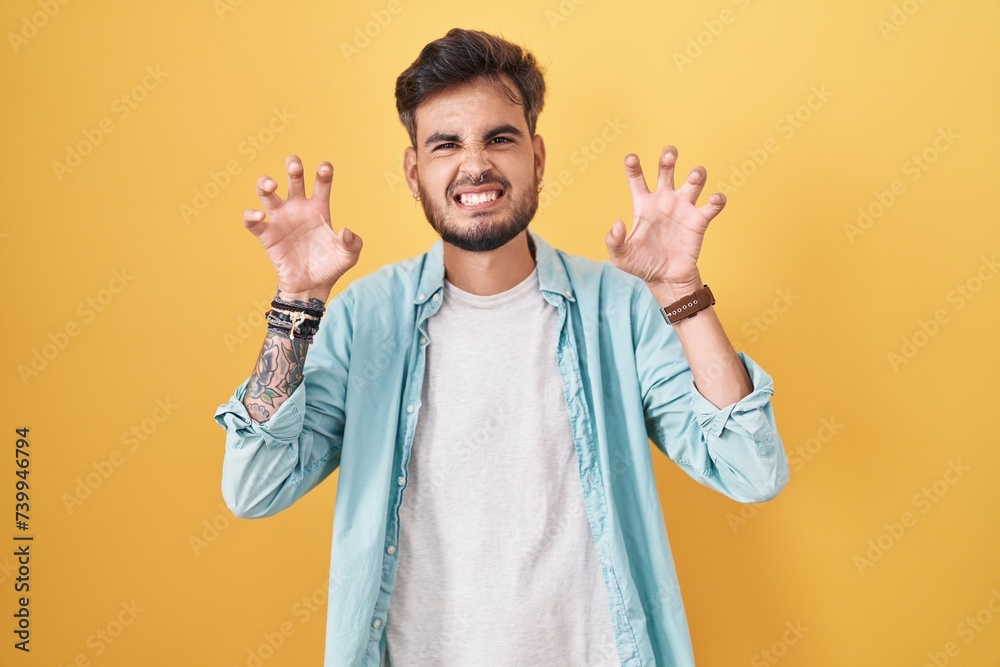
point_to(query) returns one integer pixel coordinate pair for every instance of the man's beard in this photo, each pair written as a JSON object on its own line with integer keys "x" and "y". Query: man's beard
{"x": 486, "y": 230}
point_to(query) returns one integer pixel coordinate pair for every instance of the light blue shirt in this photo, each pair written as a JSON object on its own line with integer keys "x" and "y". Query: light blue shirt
{"x": 626, "y": 380}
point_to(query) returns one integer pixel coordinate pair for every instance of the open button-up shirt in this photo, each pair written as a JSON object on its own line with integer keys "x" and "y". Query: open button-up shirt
{"x": 626, "y": 381}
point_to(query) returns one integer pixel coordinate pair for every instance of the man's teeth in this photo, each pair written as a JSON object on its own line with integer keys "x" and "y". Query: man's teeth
{"x": 473, "y": 198}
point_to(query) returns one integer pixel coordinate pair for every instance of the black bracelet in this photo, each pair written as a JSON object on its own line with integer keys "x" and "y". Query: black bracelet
{"x": 276, "y": 320}
{"x": 287, "y": 334}
{"x": 298, "y": 318}
{"x": 279, "y": 323}
{"x": 295, "y": 319}
{"x": 278, "y": 315}
{"x": 300, "y": 306}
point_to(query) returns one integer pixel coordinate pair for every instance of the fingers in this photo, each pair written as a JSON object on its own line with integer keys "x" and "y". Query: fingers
{"x": 716, "y": 202}
{"x": 668, "y": 158}
{"x": 633, "y": 172}
{"x": 350, "y": 240}
{"x": 324, "y": 177}
{"x": 615, "y": 239}
{"x": 266, "y": 188}
{"x": 296, "y": 184}
{"x": 254, "y": 221}
{"x": 694, "y": 184}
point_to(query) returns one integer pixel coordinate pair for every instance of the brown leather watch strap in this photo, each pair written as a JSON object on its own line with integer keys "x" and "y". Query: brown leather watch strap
{"x": 688, "y": 306}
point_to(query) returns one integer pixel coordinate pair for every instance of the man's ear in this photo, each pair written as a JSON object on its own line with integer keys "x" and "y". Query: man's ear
{"x": 410, "y": 167}
{"x": 539, "y": 145}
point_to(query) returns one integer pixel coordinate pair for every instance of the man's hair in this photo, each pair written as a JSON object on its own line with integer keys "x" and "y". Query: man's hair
{"x": 464, "y": 56}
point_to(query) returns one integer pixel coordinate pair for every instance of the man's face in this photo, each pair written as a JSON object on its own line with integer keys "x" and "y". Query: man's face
{"x": 475, "y": 167}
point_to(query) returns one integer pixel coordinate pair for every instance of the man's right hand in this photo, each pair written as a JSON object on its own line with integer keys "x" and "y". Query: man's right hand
{"x": 308, "y": 256}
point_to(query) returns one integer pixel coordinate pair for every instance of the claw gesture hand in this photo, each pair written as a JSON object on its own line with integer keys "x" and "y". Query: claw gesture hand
{"x": 667, "y": 227}
{"x": 308, "y": 256}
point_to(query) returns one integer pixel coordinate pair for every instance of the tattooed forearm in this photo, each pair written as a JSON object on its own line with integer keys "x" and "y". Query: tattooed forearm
{"x": 277, "y": 374}
{"x": 257, "y": 412}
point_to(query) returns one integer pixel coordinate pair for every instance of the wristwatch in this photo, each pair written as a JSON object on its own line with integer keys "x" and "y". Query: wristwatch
{"x": 688, "y": 306}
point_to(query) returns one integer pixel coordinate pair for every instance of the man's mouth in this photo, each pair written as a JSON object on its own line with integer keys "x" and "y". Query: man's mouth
{"x": 478, "y": 200}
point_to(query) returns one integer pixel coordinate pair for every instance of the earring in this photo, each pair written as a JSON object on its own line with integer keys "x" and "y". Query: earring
{"x": 416, "y": 197}
{"x": 541, "y": 184}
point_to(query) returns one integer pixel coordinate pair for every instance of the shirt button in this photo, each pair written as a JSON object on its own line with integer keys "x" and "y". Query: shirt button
{"x": 422, "y": 340}
{"x": 420, "y": 296}
{"x": 376, "y": 623}
{"x": 436, "y": 297}
{"x": 568, "y": 293}
{"x": 391, "y": 549}
{"x": 401, "y": 480}
{"x": 409, "y": 408}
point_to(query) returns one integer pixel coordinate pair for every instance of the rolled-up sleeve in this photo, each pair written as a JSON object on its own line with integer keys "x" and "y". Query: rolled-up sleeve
{"x": 736, "y": 449}
{"x": 268, "y": 466}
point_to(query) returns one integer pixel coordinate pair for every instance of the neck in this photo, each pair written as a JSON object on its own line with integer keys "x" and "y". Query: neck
{"x": 486, "y": 273}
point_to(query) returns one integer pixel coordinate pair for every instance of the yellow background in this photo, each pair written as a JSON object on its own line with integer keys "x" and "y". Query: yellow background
{"x": 818, "y": 303}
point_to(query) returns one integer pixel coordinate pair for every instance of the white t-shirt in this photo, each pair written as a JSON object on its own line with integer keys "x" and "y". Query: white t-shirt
{"x": 497, "y": 564}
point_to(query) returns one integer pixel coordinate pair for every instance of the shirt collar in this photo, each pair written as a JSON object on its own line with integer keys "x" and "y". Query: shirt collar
{"x": 552, "y": 275}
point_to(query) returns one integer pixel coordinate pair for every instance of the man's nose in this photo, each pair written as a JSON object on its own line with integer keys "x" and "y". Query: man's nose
{"x": 475, "y": 161}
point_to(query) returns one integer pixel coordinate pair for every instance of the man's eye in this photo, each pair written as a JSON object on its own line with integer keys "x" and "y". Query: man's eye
{"x": 502, "y": 140}
{"x": 445, "y": 146}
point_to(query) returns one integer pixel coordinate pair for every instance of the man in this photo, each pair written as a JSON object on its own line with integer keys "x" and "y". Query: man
{"x": 490, "y": 402}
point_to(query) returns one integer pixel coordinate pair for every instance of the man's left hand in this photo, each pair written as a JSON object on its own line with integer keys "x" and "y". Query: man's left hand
{"x": 667, "y": 227}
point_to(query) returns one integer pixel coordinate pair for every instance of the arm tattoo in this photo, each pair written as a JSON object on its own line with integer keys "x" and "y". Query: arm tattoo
{"x": 258, "y": 413}
{"x": 277, "y": 374}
